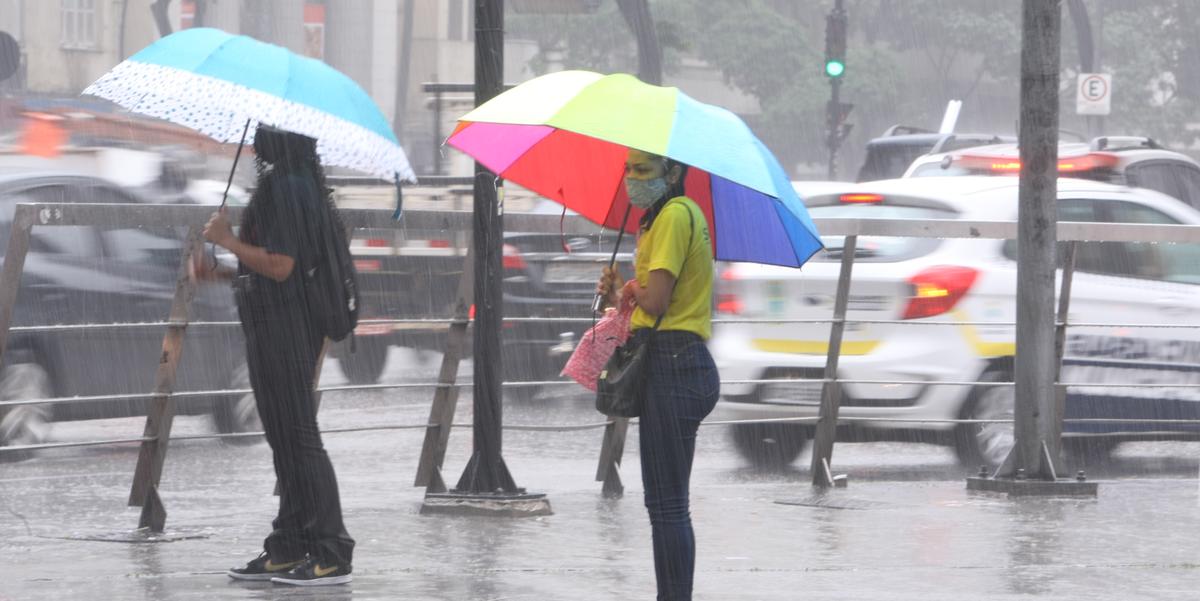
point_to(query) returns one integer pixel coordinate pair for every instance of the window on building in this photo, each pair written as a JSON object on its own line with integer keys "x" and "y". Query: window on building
{"x": 460, "y": 20}
{"x": 79, "y": 24}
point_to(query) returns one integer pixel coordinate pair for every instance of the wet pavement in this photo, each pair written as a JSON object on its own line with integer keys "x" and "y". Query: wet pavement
{"x": 906, "y": 528}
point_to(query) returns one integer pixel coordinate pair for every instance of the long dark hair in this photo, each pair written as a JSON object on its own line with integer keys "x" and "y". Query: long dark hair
{"x": 279, "y": 152}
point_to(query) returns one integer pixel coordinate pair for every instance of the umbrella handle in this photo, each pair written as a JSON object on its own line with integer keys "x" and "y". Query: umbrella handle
{"x": 598, "y": 301}
{"x": 225, "y": 196}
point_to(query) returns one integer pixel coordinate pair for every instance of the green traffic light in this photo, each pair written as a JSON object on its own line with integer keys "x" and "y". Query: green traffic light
{"x": 835, "y": 68}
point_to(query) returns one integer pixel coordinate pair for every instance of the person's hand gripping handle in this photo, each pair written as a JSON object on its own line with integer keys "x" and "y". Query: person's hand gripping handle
{"x": 608, "y": 289}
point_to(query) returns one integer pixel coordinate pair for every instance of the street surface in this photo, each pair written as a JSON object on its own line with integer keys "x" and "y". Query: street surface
{"x": 905, "y": 529}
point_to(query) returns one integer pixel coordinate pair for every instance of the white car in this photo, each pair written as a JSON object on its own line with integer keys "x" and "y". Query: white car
{"x": 922, "y": 281}
{"x": 1128, "y": 160}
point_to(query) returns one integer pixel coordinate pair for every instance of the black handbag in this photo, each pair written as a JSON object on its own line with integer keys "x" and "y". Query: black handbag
{"x": 621, "y": 386}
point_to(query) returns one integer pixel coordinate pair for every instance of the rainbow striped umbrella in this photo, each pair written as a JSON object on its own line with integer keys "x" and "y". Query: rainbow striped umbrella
{"x": 565, "y": 136}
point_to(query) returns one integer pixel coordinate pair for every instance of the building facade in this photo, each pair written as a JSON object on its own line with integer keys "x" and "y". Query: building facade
{"x": 392, "y": 48}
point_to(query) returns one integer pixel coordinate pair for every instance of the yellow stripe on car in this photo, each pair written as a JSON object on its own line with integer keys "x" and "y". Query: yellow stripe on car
{"x": 812, "y": 347}
{"x": 983, "y": 348}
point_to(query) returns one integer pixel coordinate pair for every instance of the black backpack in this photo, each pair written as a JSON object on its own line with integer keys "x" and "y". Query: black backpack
{"x": 330, "y": 281}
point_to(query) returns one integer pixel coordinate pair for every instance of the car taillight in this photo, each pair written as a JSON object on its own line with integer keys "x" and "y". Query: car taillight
{"x": 512, "y": 258}
{"x": 730, "y": 304}
{"x": 1087, "y": 162}
{"x": 1070, "y": 164}
{"x": 727, "y": 301}
{"x": 367, "y": 264}
{"x": 937, "y": 289}
{"x": 861, "y": 198}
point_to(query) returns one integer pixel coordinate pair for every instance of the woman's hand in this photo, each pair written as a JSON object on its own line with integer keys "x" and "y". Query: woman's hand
{"x": 218, "y": 230}
{"x": 609, "y": 286}
{"x": 631, "y": 290}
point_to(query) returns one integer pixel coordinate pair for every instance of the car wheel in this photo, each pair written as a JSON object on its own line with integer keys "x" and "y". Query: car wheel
{"x": 240, "y": 413}
{"x": 24, "y": 424}
{"x": 365, "y": 364}
{"x": 770, "y": 446}
{"x": 987, "y": 444}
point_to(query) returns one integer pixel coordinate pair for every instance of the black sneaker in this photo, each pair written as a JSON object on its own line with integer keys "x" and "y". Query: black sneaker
{"x": 262, "y": 568}
{"x": 315, "y": 573}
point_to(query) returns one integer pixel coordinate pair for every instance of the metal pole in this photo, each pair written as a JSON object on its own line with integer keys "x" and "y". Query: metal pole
{"x": 1054, "y": 443}
{"x": 445, "y": 397}
{"x": 1036, "y": 235}
{"x": 14, "y": 265}
{"x": 161, "y": 415}
{"x": 833, "y": 109}
{"x": 403, "y": 71}
{"x": 826, "y": 433}
{"x": 835, "y": 87}
{"x": 437, "y": 132}
{"x": 1088, "y": 51}
{"x": 486, "y": 471}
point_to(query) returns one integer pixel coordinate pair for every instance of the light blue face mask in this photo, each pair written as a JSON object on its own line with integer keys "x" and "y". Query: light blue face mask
{"x": 643, "y": 193}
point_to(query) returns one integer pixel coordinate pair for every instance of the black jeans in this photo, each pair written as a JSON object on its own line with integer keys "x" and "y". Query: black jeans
{"x": 282, "y": 351}
{"x": 682, "y": 389}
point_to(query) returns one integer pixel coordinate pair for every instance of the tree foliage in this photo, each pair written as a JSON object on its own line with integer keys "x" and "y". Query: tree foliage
{"x": 905, "y": 60}
{"x": 1153, "y": 53}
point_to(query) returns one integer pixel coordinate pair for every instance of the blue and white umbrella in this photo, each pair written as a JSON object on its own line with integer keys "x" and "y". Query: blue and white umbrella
{"x": 218, "y": 83}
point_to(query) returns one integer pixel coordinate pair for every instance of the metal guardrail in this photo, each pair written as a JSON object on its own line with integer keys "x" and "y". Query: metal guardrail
{"x": 158, "y": 423}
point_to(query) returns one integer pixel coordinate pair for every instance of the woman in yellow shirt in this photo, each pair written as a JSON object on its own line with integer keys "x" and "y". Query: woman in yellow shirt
{"x": 674, "y": 277}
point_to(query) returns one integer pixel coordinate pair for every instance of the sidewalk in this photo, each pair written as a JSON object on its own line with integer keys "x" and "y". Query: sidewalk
{"x": 905, "y": 539}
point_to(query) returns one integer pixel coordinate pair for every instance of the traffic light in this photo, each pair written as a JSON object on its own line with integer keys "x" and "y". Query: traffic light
{"x": 837, "y": 113}
{"x": 835, "y": 44}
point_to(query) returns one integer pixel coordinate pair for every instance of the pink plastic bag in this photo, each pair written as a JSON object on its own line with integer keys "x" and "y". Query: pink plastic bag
{"x": 598, "y": 344}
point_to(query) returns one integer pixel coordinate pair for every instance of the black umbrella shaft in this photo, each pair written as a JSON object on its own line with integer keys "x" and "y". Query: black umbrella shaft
{"x": 232, "y": 170}
{"x": 598, "y": 301}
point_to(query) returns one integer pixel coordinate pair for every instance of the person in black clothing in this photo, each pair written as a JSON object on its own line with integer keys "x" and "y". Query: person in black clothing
{"x": 309, "y": 544}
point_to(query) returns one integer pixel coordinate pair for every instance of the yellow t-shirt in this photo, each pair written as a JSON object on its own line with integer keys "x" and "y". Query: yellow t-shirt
{"x": 664, "y": 246}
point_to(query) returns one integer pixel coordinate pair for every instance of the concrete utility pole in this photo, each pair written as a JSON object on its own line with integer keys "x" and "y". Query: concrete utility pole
{"x": 279, "y": 22}
{"x": 348, "y": 44}
{"x": 1030, "y": 467}
{"x": 1037, "y": 235}
{"x": 641, "y": 22}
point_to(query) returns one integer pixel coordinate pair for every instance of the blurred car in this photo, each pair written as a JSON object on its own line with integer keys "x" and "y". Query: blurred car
{"x": 889, "y": 155}
{"x": 1129, "y": 160}
{"x": 971, "y": 282}
{"x": 78, "y": 275}
{"x": 404, "y": 274}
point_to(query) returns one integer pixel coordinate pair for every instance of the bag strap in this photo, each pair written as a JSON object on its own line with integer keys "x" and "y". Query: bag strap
{"x": 687, "y": 252}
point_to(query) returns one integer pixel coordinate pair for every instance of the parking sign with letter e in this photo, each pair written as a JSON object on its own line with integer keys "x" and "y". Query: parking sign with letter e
{"x": 1093, "y": 94}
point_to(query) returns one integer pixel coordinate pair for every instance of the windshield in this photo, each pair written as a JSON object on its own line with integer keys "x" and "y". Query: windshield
{"x": 887, "y": 161}
{"x": 936, "y": 170}
{"x": 878, "y": 249}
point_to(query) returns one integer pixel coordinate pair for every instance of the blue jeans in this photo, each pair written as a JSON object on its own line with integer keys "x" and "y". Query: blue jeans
{"x": 682, "y": 389}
